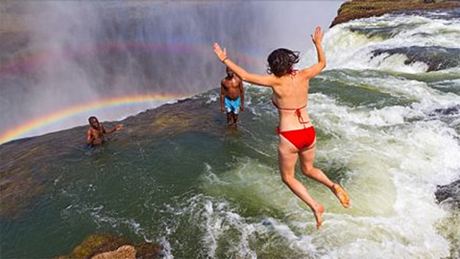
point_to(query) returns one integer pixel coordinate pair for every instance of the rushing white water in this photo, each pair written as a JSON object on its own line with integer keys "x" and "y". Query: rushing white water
{"x": 387, "y": 114}
{"x": 387, "y": 131}
{"x": 350, "y": 45}
{"x": 390, "y": 159}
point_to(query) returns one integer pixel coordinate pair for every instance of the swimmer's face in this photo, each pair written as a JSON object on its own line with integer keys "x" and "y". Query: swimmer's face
{"x": 230, "y": 72}
{"x": 94, "y": 123}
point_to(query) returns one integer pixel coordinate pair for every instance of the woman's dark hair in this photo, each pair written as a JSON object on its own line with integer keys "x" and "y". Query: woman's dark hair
{"x": 280, "y": 61}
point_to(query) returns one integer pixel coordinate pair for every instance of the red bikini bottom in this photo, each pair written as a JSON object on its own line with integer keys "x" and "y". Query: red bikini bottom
{"x": 301, "y": 138}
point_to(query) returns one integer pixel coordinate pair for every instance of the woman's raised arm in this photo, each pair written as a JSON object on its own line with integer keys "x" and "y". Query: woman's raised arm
{"x": 263, "y": 80}
{"x": 314, "y": 70}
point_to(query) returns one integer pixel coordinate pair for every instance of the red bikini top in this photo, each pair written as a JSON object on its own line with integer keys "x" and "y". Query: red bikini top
{"x": 297, "y": 111}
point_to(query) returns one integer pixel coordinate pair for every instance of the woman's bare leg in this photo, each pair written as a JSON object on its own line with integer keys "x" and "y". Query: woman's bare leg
{"x": 307, "y": 158}
{"x": 287, "y": 160}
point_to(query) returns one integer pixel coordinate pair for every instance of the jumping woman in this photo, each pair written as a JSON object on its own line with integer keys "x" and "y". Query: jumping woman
{"x": 297, "y": 135}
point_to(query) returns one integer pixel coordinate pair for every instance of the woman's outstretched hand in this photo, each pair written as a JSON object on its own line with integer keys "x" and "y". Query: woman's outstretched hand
{"x": 221, "y": 54}
{"x": 317, "y": 36}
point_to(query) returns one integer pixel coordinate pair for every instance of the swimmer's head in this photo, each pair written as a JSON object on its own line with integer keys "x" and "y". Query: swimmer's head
{"x": 93, "y": 122}
{"x": 230, "y": 73}
{"x": 281, "y": 61}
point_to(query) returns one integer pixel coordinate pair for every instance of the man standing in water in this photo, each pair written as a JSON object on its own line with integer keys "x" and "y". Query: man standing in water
{"x": 232, "y": 97}
{"x": 96, "y": 131}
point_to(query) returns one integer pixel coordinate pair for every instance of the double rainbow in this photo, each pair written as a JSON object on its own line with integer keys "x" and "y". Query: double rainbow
{"x": 42, "y": 121}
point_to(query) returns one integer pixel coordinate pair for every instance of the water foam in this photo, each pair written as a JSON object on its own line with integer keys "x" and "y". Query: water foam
{"x": 392, "y": 165}
{"x": 348, "y": 46}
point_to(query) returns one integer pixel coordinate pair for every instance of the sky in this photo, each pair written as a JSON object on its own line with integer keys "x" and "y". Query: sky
{"x": 296, "y": 20}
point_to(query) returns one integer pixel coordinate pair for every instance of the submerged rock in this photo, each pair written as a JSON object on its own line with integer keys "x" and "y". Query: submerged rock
{"x": 453, "y": 110}
{"x": 449, "y": 194}
{"x": 357, "y": 9}
{"x": 436, "y": 58}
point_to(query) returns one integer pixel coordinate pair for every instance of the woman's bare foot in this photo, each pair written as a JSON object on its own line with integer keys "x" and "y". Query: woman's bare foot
{"x": 318, "y": 212}
{"x": 341, "y": 194}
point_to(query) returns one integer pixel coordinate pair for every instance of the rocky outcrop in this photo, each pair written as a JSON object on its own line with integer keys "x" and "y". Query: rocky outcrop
{"x": 104, "y": 246}
{"x": 123, "y": 252}
{"x": 357, "y": 9}
{"x": 449, "y": 194}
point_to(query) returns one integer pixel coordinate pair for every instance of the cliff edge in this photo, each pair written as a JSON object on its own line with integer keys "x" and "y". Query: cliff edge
{"x": 356, "y": 9}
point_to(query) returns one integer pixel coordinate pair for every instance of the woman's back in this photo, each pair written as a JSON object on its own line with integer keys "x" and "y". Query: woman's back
{"x": 290, "y": 96}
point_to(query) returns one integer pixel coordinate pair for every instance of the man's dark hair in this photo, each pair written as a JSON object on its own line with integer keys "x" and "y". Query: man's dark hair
{"x": 280, "y": 61}
{"x": 92, "y": 118}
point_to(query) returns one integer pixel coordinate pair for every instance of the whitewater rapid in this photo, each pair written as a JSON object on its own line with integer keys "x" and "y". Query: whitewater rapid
{"x": 387, "y": 117}
{"x": 388, "y": 131}
{"x": 383, "y": 135}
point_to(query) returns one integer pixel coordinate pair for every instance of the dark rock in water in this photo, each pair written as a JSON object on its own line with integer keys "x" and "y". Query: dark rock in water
{"x": 266, "y": 222}
{"x": 449, "y": 194}
{"x": 383, "y": 32}
{"x": 422, "y": 34}
{"x": 108, "y": 246}
{"x": 357, "y": 9}
{"x": 386, "y": 32}
{"x": 447, "y": 111}
{"x": 437, "y": 58}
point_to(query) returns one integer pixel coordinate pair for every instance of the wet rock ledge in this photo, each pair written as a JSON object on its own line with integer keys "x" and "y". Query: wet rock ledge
{"x": 356, "y": 9}
{"x": 105, "y": 246}
{"x": 449, "y": 194}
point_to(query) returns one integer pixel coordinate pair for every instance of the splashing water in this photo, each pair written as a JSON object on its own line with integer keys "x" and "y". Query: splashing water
{"x": 388, "y": 131}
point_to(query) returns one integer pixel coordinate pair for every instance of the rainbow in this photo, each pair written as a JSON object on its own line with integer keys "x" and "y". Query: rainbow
{"x": 28, "y": 63}
{"x": 39, "y": 122}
